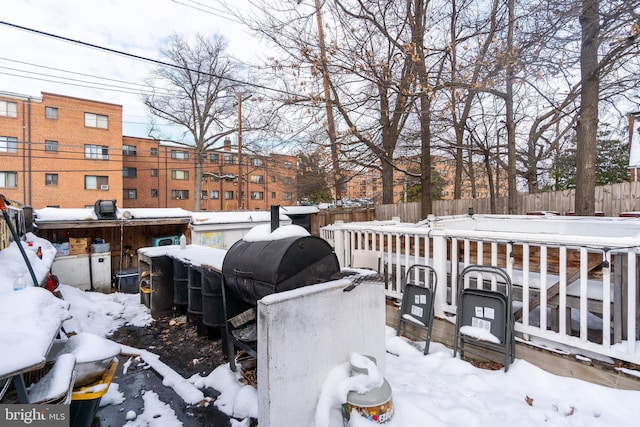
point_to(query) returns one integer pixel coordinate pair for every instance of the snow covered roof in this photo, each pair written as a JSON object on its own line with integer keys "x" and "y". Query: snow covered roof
{"x": 88, "y": 214}
{"x": 233, "y": 217}
{"x": 57, "y": 217}
{"x": 194, "y": 255}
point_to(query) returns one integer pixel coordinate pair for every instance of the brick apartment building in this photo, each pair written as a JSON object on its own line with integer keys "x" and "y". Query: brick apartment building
{"x": 59, "y": 151}
{"x": 368, "y": 183}
{"x": 69, "y": 152}
{"x": 158, "y": 174}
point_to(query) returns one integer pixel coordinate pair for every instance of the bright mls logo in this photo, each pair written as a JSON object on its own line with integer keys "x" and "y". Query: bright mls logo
{"x": 34, "y": 415}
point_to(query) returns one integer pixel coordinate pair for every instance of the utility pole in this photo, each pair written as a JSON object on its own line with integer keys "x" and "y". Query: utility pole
{"x": 240, "y": 206}
{"x": 327, "y": 101}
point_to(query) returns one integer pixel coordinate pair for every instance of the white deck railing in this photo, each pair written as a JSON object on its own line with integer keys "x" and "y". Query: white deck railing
{"x": 575, "y": 279}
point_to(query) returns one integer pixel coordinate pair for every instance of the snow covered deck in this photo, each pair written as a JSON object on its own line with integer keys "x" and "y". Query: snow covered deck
{"x": 575, "y": 278}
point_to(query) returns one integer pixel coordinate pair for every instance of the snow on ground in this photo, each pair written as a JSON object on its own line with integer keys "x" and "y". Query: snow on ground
{"x": 435, "y": 390}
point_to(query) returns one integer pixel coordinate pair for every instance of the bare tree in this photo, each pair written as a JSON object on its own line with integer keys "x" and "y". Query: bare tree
{"x": 586, "y": 131}
{"x": 199, "y": 95}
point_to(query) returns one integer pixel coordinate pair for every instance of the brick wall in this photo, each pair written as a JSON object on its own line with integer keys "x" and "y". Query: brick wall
{"x": 48, "y": 155}
{"x": 63, "y": 158}
{"x": 267, "y": 180}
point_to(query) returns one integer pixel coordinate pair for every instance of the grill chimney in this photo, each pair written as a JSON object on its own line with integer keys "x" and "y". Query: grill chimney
{"x": 275, "y": 217}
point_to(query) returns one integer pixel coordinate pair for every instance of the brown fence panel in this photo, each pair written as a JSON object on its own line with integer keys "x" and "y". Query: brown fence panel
{"x": 611, "y": 199}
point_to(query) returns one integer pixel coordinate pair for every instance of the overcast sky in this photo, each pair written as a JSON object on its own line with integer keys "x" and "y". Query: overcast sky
{"x": 32, "y": 63}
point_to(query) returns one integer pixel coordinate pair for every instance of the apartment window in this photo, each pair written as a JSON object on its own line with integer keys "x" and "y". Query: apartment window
{"x": 50, "y": 179}
{"x": 129, "y": 172}
{"x": 92, "y": 120}
{"x": 154, "y": 192}
{"x": 50, "y": 146}
{"x": 257, "y": 195}
{"x": 8, "y": 144}
{"x": 214, "y": 195}
{"x": 287, "y": 180}
{"x": 256, "y": 162}
{"x": 288, "y": 196}
{"x": 228, "y": 159}
{"x": 180, "y": 194}
{"x": 8, "y": 109}
{"x": 8, "y": 179}
{"x": 203, "y": 194}
{"x": 288, "y": 165}
{"x": 100, "y": 152}
{"x": 51, "y": 113}
{"x": 129, "y": 193}
{"x": 273, "y": 194}
{"x": 273, "y": 178}
{"x": 129, "y": 150}
{"x": 214, "y": 158}
{"x": 154, "y": 172}
{"x": 154, "y": 152}
{"x": 179, "y": 155}
{"x": 257, "y": 179}
{"x": 228, "y": 195}
{"x": 177, "y": 174}
{"x": 93, "y": 182}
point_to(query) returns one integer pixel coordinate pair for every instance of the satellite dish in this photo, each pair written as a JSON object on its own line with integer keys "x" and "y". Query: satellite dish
{"x": 126, "y": 215}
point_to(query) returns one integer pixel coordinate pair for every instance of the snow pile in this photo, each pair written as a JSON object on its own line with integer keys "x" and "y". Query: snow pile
{"x": 103, "y": 314}
{"x": 236, "y": 400}
{"x": 262, "y": 233}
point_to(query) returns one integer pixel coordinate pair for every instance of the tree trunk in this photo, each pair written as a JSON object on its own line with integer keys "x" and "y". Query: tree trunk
{"x": 588, "y": 114}
{"x": 425, "y": 107}
{"x": 331, "y": 127}
{"x": 198, "y": 183}
{"x": 512, "y": 190}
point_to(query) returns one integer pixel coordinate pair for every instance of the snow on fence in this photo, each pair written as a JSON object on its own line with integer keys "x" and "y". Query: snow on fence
{"x": 576, "y": 279}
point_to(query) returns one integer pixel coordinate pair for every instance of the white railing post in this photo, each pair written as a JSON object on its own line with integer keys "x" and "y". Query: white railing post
{"x": 440, "y": 266}
{"x": 456, "y": 244}
{"x": 631, "y": 301}
{"x": 338, "y": 235}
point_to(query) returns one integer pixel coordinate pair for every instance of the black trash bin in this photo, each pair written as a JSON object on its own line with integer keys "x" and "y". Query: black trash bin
{"x": 212, "y": 309}
{"x": 195, "y": 291}
{"x": 180, "y": 283}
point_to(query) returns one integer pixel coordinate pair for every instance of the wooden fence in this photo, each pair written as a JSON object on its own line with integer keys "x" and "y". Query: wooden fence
{"x": 330, "y": 216}
{"x": 612, "y": 200}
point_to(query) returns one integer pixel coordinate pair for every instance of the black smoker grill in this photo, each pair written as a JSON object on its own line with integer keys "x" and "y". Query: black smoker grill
{"x": 252, "y": 270}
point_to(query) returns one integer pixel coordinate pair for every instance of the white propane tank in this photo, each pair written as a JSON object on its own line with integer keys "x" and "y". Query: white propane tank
{"x": 375, "y": 405}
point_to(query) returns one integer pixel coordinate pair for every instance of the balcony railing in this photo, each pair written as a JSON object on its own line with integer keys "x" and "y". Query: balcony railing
{"x": 575, "y": 279}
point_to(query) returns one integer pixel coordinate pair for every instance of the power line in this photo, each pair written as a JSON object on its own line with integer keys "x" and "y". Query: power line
{"x": 102, "y": 86}
{"x": 123, "y": 82}
{"x": 142, "y": 58}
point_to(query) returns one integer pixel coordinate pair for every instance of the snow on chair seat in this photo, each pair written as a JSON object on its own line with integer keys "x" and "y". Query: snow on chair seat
{"x": 418, "y": 290}
{"x": 484, "y": 318}
{"x": 56, "y": 385}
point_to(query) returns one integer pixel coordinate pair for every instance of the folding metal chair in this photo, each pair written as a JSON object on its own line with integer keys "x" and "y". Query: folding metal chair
{"x": 419, "y": 287}
{"x": 367, "y": 259}
{"x": 484, "y": 318}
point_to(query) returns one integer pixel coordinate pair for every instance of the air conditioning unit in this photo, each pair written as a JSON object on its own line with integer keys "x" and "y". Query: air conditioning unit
{"x": 104, "y": 187}
{"x": 204, "y": 197}
{"x": 105, "y": 209}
